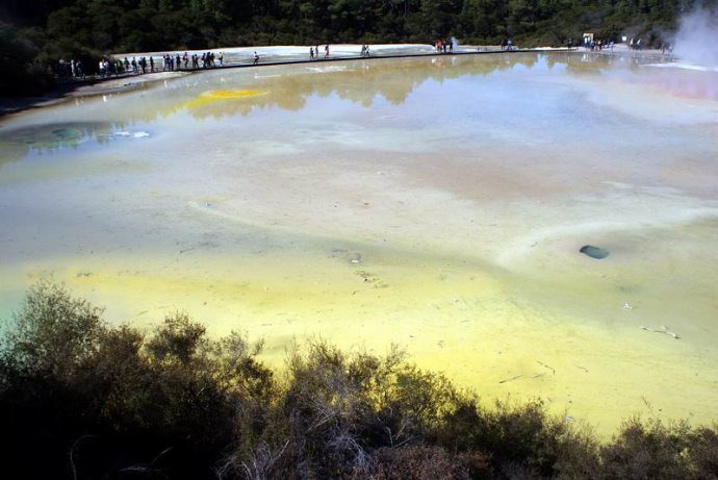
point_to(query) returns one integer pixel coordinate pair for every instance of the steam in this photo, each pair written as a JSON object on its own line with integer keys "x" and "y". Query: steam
{"x": 697, "y": 37}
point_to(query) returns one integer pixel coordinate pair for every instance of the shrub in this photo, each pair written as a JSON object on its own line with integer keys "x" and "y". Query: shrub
{"x": 118, "y": 402}
{"x": 53, "y": 334}
{"x": 79, "y": 399}
{"x": 652, "y": 449}
{"x": 427, "y": 463}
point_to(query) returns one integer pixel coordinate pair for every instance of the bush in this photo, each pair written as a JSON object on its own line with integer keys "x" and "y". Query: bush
{"x": 169, "y": 404}
{"x": 427, "y": 463}
{"x": 53, "y": 334}
{"x": 79, "y": 399}
{"x": 652, "y": 449}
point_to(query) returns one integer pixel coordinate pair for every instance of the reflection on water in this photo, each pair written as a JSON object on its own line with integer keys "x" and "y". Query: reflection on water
{"x": 51, "y": 138}
{"x": 438, "y": 203}
{"x": 45, "y": 138}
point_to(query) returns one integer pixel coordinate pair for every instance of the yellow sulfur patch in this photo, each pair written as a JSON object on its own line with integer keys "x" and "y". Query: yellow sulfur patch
{"x": 212, "y": 96}
{"x": 237, "y": 93}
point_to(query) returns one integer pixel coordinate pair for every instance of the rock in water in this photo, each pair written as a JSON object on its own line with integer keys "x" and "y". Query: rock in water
{"x": 594, "y": 252}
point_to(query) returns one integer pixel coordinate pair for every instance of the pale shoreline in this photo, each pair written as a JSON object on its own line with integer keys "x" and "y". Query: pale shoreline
{"x": 235, "y": 57}
{"x": 242, "y": 57}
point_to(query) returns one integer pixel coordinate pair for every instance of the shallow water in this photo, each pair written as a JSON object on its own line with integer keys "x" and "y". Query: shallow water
{"x": 436, "y": 203}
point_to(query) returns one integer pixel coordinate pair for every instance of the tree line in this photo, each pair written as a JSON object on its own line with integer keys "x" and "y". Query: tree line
{"x": 80, "y": 399}
{"x": 33, "y": 34}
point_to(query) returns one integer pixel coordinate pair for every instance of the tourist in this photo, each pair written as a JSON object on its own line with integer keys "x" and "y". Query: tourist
{"x": 326, "y": 51}
{"x": 256, "y": 58}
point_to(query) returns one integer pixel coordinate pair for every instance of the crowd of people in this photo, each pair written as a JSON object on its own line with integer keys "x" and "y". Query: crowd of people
{"x": 107, "y": 67}
{"x": 593, "y": 45}
{"x": 112, "y": 66}
{"x": 170, "y": 62}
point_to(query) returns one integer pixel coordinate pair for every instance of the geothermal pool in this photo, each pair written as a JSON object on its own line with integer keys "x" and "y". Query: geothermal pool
{"x": 436, "y": 203}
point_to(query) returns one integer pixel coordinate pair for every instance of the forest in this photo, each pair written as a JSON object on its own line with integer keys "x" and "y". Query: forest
{"x": 35, "y": 34}
{"x": 80, "y": 399}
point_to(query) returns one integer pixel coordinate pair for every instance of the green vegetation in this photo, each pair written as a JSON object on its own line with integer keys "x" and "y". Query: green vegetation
{"x": 40, "y": 32}
{"x": 22, "y": 70}
{"x": 82, "y": 400}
